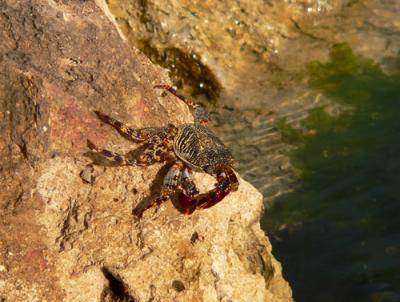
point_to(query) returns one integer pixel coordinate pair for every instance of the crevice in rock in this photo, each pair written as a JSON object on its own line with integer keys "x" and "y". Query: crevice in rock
{"x": 116, "y": 290}
{"x": 178, "y": 285}
{"x": 301, "y": 30}
{"x": 12, "y": 204}
{"x": 23, "y": 148}
{"x": 185, "y": 69}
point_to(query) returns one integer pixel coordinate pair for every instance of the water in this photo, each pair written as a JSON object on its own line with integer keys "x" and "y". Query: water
{"x": 337, "y": 233}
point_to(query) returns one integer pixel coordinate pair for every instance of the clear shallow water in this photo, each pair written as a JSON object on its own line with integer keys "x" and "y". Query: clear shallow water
{"x": 338, "y": 233}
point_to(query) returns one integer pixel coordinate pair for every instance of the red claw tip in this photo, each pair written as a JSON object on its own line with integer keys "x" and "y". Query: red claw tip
{"x": 185, "y": 200}
{"x": 186, "y": 203}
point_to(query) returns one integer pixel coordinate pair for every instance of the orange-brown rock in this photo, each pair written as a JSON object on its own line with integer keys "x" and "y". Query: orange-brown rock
{"x": 67, "y": 231}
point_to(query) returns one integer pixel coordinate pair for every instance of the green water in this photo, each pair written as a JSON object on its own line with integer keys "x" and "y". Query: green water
{"x": 338, "y": 233}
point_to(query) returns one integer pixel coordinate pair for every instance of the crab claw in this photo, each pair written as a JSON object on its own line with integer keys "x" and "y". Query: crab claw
{"x": 227, "y": 182}
{"x": 187, "y": 203}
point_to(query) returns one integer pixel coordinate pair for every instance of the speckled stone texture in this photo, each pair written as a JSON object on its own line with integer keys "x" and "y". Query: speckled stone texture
{"x": 67, "y": 231}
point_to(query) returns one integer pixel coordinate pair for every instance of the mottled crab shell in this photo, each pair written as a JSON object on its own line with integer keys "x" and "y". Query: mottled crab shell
{"x": 201, "y": 149}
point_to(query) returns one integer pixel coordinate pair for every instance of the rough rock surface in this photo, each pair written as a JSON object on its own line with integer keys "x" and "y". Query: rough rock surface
{"x": 67, "y": 232}
{"x": 252, "y": 49}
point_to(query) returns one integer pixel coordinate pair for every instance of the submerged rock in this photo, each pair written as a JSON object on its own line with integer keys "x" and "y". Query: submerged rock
{"x": 67, "y": 229}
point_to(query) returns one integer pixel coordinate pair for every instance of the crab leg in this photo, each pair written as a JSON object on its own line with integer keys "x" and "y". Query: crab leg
{"x": 188, "y": 183}
{"x": 170, "y": 183}
{"x": 186, "y": 198}
{"x": 170, "y": 89}
{"x": 132, "y": 134}
{"x": 144, "y": 160}
{"x": 200, "y": 114}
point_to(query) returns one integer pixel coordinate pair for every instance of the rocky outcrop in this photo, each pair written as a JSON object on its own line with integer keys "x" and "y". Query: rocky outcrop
{"x": 67, "y": 229}
{"x": 232, "y": 51}
{"x": 253, "y": 50}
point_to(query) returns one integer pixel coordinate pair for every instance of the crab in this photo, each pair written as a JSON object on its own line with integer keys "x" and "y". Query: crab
{"x": 187, "y": 147}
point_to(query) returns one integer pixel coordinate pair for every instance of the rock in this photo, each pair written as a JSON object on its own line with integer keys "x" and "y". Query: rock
{"x": 226, "y": 50}
{"x": 67, "y": 229}
{"x": 253, "y": 50}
